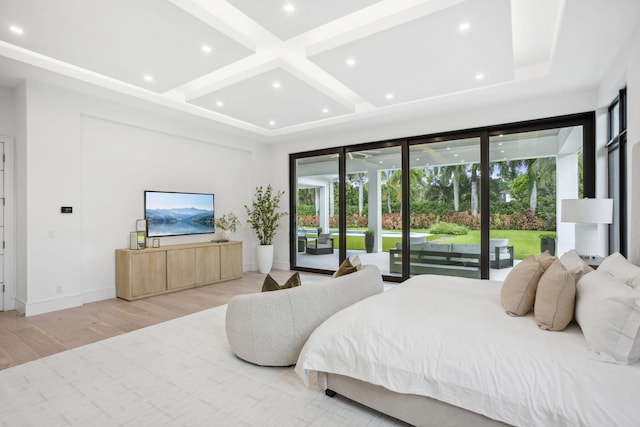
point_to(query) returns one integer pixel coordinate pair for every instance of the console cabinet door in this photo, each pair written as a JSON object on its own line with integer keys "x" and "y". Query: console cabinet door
{"x": 148, "y": 273}
{"x": 230, "y": 260}
{"x": 181, "y": 268}
{"x": 207, "y": 265}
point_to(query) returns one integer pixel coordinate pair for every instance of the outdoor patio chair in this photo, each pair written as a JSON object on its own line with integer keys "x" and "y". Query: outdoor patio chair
{"x": 323, "y": 244}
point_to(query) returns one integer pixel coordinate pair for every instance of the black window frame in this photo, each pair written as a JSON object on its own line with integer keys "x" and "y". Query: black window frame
{"x": 585, "y": 119}
{"x": 617, "y": 171}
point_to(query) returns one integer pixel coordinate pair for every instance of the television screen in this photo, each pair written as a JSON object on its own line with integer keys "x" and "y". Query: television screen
{"x": 175, "y": 214}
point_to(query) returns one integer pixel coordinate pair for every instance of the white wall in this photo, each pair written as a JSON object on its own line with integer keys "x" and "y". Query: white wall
{"x": 7, "y": 111}
{"x": 625, "y": 71}
{"x": 99, "y": 157}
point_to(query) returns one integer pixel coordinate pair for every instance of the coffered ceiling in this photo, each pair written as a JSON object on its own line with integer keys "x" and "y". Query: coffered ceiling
{"x": 274, "y": 67}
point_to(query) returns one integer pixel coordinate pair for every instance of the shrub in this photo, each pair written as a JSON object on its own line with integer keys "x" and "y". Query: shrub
{"x": 306, "y": 210}
{"x": 448, "y": 228}
{"x": 422, "y": 220}
{"x": 308, "y": 221}
{"x": 392, "y": 221}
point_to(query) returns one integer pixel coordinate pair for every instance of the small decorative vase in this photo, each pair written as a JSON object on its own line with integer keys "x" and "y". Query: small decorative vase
{"x": 226, "y": 234}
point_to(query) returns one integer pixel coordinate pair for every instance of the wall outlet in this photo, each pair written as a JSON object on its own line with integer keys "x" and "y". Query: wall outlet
{"x": 59, "y": 289}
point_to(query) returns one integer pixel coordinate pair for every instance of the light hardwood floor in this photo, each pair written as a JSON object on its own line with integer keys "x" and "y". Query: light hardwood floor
{"x": 23, "y": 339}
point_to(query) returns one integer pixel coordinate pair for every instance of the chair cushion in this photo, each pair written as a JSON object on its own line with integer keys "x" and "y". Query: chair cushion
{"x": 324, "y": 238}
{"x": 469, "y": 248}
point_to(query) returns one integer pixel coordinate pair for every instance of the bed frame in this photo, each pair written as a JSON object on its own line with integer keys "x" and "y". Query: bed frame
{"x": 410, "y": 408}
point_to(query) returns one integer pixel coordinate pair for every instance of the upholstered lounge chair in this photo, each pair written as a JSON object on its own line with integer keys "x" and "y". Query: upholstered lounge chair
{"x": 323, "y": 244}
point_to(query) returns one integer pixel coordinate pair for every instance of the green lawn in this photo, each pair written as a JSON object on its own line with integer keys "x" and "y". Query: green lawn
{"x": 524, "y": 242}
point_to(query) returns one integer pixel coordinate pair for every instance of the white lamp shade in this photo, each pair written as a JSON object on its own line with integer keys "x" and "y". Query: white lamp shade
{"x": 587, "y": 211}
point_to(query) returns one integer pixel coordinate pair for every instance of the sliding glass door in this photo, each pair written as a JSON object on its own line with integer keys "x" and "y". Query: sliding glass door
{"x": 445, "y": 208}
{"x": 373, "y": 196}
{"x": 316, "y": 226}
{"x": 531, "y": 172}
{"x": 466, "y": 203}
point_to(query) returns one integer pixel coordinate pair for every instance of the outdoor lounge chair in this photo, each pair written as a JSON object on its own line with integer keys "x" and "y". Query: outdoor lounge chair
{"x": 323, "y": 244}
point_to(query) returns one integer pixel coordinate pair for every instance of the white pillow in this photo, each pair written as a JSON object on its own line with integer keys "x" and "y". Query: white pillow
{"x": 574, "y": 264}
{"x": 357, "y": 263}
{"x": 608, "y": 313}
{"x": 619, "y": 268}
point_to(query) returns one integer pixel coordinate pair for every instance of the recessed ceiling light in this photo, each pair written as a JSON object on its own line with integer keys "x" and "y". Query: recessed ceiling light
{"x": 276, "y": 85}
{"x": 417, "y": 159}
{"x": 464, "y": 26}
{"x": 148, "y": 78}
{"x": 350, "y": 62}
{"x": 389, "y": 95}
{"x": 448, "y": 148}
{"x": 16, "y": 30}
{"x": 272, "y": 122}
{"x": 461, "y": 161}
{"x": 289, "y": 8}
{"x": 219, "y": 104}
{"x": 206, "y": 48}
{"x": 502, "y": 151}
{"x": 455, "y": 155}
{"x": 325, "y": 110}
{"x": 479, "y": 76}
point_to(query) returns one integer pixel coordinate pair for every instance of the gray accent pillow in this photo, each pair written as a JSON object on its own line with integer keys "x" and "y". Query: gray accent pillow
{"x": 270, "y": 283}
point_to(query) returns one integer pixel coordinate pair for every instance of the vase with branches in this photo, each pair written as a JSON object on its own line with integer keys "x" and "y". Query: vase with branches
{"x": 264, "y": 215}
{"x": 228, "y": 223}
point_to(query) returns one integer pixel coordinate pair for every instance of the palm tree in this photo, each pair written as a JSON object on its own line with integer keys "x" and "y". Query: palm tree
{"x": 474, "y": 188}
{"x": 453, "y": 173}
{"x": 359, "y": 179}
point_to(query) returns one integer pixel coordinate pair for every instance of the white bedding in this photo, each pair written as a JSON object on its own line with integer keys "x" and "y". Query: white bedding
{"x": 448, "y": 338}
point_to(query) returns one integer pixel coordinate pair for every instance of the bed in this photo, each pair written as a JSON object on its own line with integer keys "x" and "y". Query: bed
{"x": 440, "y": 350}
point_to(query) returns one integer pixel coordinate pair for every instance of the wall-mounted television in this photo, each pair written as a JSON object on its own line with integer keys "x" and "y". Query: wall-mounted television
{"x": 177, "y": 214}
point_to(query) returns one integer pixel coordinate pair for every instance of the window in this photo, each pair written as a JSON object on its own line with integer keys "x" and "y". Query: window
{"x": 617, "y": 155}
{"x": 466, "y": 203}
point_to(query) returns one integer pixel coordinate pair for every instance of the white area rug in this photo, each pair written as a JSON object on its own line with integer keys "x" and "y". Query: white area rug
{"x": 179, "y": 372}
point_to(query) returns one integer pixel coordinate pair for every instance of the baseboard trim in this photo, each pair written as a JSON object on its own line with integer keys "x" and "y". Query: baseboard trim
{"x": 98, "y": 295}
{"x": 52, "y": 304}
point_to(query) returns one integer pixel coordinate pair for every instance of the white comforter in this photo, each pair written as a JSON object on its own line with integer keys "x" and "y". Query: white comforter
{"x": 449, "y": 339}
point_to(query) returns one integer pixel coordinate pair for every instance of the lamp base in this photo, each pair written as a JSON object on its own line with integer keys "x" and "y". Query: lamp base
{"x": 587, "y": 239}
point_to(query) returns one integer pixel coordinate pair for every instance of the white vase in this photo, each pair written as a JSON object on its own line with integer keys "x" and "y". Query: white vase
{"x": 265, "y": 258}
{"x": 226, "y": 234}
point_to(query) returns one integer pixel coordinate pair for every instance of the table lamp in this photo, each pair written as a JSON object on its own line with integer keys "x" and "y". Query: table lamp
{"x": 587, "y": 214}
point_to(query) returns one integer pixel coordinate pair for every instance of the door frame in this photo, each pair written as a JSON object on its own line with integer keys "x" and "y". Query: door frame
{"x": 9, "y": 295}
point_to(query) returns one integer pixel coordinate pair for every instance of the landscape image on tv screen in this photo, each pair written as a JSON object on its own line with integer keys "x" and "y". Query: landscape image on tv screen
{"x": 173, "y": 214}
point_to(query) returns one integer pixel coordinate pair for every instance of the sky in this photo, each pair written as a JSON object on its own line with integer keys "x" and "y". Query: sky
{"x": 162, "y": 200}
